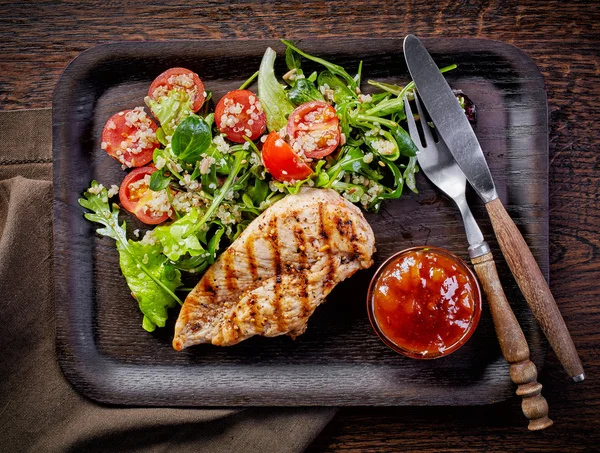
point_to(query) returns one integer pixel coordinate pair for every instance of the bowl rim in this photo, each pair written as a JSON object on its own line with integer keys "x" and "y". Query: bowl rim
{"x": 468, "y": 332}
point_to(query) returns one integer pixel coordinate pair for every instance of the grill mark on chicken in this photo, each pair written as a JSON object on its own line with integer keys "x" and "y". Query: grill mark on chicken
{"x": 251, "y": 257}
{"x": 325, "y": 234}
{"x": 229, "y": 269}
{"x": 273, "y": 236}
{"x": 302, "y": 268}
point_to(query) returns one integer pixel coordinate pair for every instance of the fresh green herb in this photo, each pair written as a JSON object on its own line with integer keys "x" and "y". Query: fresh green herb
{"x": 191, "y": 139}
{"x": 159, "y": 180}
{"x": 304, "y": 91}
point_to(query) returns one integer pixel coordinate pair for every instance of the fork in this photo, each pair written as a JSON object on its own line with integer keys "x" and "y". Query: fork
{"x": 439, "y": 166}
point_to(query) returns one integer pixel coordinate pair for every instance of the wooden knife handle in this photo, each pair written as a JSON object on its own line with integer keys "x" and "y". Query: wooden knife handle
{"x": 513, "y": 345}
{"x": 535, "y": 288}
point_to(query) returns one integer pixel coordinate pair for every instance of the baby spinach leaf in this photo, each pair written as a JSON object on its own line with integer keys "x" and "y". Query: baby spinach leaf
{"x": 191, "y": 138}
{"x": 304, "y": 91}
{"x": 341, "y": 93}
{"x": 159, "y": 180}
{"x": 405, "y": 143}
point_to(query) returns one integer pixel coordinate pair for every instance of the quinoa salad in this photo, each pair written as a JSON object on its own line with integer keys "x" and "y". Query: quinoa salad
{"x": 197, "y": 173}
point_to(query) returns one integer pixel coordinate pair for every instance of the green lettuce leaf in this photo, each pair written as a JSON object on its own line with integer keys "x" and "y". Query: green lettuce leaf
{"x": 272, "y": 95}
{"x": 171, "y": 237}
{"x": 152, "y": 299}
{"x": 170, "y": 110}
{"x": 150, "y": 277}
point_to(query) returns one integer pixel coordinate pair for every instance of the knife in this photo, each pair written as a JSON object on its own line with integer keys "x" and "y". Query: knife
{"x": 454, "y": 128}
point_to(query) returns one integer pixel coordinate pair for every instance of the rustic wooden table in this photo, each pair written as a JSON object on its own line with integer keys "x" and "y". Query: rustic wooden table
{"x": 563, "y": 38}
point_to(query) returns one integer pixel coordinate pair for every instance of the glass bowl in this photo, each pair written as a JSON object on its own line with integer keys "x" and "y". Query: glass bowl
{"x": 424, "y": 302}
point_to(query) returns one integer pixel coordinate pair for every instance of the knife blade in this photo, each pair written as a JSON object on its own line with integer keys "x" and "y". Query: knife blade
{"x": 454, "y": 128}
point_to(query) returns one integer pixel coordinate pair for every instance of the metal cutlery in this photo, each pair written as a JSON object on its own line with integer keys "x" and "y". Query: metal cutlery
{"x": 439, "y": 166}
{"x": 453, "y": 127}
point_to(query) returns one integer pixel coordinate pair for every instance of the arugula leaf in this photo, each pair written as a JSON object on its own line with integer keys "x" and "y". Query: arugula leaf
{"x": 353, "y": 192}
{"x": 170, "y": 110}
{"x": 152, "y": 299}
{"x": 174, "y": 240}
{"x": 383, "y": 138}
{"x": 258, "y": 192}
{"x": 148, "y": 274}
{"x": 295, "y": 188}
{"x": 334, "y": 68}
{"x": 219, "y": 196}
{"x": 249, "y": 81}
{"x": 352, "y": 159}
{"x": 393, "y": 193}
{"x": 191, "y": 138}
{"x": 387, "y": 107}
{"x": 272, "y": 95}
{"x": 291, "y": 59}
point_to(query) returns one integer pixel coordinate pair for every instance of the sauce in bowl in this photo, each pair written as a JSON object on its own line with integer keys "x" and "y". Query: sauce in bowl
{"x": 424, "y": 302}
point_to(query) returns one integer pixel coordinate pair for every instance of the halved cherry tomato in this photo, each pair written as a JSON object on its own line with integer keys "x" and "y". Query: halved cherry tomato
{"x": 314, "y": 128}
{"x": 130, "y": 137}
{"x": 281, "y": 161}
{"x": 135, "y": 196}
{"x": 239, "y": 113}
{"x": 179, "y": 79}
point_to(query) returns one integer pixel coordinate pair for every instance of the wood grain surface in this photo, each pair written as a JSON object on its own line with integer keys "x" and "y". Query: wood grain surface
{"x": 563, "y": 38}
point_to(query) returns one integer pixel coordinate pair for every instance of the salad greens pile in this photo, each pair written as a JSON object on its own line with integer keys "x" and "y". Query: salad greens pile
{"x": 216, "y": 188}
{"x": 377, "y": 157}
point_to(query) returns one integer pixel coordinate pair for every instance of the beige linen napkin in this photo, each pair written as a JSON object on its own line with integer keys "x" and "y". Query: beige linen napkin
{"x": 39, "y": 411}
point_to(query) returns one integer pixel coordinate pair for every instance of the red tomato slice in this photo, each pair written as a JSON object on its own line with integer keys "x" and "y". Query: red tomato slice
{"x": 239, "y": 113}
{"x": 281, "y": 161}
{"x": 314, "y": 129}
{"x": 179, "y": 79}
{"x": 130, "y": 137}
{"x": 135, "y": 196}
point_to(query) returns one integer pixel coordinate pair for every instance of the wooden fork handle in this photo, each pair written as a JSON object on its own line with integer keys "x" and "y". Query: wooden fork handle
{"x": 513, "y": 345}
{"x": 534, "y": 288}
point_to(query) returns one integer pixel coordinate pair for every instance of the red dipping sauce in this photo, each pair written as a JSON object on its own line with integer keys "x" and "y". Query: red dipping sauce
{"x": 424, "y": 302}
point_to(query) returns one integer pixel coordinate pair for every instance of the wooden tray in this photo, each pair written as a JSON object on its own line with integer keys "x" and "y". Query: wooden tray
{"x": 107, "y": 356}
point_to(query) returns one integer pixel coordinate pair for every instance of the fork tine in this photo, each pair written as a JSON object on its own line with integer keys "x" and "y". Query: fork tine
{"x": 426, "y": 130}
{"x": 412, "y": 125}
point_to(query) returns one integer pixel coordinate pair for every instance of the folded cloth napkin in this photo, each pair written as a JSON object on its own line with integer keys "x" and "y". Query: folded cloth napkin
{"x": 39, "y": 411}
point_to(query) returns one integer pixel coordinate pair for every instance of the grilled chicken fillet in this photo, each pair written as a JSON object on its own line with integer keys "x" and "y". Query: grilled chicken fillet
{"x": 274, "y": 275}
